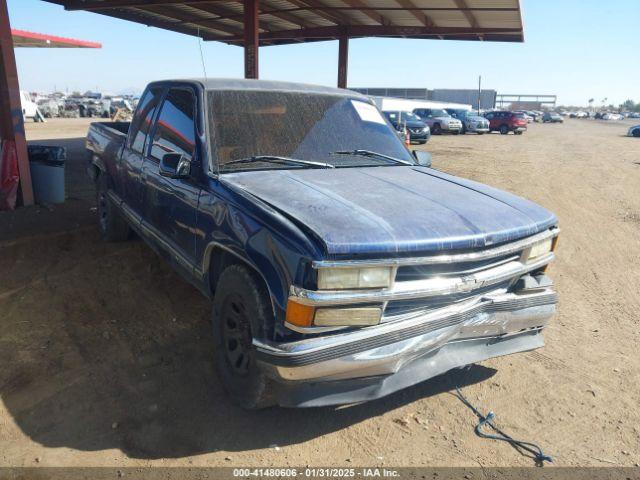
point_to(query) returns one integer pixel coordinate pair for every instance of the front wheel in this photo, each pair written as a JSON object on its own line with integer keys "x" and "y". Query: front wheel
{"x": 436, "y": 130}
{"x": 504, "y": 129}
{"x": 636, "y": 132}
{"x": 241, "y": 309}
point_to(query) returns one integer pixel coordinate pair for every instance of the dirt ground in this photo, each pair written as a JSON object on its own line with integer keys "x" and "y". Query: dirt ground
{"x": 105, "y": 353}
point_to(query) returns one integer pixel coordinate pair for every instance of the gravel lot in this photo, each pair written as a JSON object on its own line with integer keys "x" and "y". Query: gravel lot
{"x": 105, "y": 360}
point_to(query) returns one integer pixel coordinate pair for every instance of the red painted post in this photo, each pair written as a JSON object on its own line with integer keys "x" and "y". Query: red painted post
{"x": 343, "y": 60}
{"x": 11, "y": 120}
{"x": 251, "y": 38}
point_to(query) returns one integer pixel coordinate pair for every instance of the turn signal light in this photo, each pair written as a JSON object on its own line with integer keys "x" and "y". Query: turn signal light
{"x": 299, "y": 314}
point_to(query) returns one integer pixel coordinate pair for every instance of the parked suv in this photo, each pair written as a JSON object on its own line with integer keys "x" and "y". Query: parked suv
{"x": 439, "y": 120}
{"x": 471, "y": 121}
{"x": 419, "y": 131}
{"x": 505, "y": 122}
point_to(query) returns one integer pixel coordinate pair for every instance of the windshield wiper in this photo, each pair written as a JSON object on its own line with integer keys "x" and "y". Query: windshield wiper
{"x": 369, "y": 153}
{"x": 277, "y": 159}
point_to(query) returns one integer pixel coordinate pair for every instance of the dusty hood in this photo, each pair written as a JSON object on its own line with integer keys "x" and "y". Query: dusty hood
{"x": 394, "y": 209}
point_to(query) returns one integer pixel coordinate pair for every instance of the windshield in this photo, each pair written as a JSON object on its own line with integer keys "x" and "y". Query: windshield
{"x": 404, "y": 116}
{"x": 254, "y": 125}
{"x": 438, "y": 112}
{"x": 457, "y": 113}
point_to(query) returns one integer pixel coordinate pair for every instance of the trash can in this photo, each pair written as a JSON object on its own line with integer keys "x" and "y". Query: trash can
{"x": 47, "y": 173}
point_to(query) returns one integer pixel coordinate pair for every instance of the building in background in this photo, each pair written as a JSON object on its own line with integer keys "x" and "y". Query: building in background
{"x": 458, "y": 96}
{"x": 518, "y": 101}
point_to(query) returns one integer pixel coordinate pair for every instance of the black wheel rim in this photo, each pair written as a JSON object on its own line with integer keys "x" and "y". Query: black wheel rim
{"x": 102, "y": 211}
{"x": 236, "y": 335}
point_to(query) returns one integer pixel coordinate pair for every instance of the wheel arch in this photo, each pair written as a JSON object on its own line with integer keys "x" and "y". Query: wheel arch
{"x": 217, "y": 257}
{"x": 96, "y": 166}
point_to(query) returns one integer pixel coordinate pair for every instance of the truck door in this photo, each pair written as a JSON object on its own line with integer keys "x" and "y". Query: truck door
{"x": 170, "y": 209}
{"x": 130, "y": 167}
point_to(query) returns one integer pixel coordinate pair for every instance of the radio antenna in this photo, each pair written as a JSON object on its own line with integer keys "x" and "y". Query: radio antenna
{"x": 204, "y": 68}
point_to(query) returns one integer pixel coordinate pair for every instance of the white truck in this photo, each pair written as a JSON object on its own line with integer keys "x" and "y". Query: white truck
{"x": 30, "y": 108}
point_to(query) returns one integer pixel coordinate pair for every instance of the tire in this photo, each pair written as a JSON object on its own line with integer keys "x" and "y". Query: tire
{"x": 480, "y": 133}
{"x": 518, "y": 133}
{"x": 504, "y": 129}
{"x": 456, "y": 132}
{"x": 113, "y": 227}
{"x": 436, "y": 130}
{"x": 241, "y": 310}
{"x": 636, "y": 133}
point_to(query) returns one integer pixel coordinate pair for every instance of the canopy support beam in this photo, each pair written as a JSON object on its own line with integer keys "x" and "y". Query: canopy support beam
{"x": 251, "y": 38}
{"x": 11, "y": 119}
{"x": 343, "y": 60}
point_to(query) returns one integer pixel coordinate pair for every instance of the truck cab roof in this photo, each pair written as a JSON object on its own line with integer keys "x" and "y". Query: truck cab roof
{"x": 211, "y": 84}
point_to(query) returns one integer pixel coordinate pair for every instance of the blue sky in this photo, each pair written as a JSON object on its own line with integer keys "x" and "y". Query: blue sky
{"x": 576, "y": 49}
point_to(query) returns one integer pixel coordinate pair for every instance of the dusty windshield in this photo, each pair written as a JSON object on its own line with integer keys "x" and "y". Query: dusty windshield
{"x": 248, "y": 127}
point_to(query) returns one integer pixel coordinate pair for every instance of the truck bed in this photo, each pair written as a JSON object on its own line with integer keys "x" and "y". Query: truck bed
{"x": 106, "y": 137}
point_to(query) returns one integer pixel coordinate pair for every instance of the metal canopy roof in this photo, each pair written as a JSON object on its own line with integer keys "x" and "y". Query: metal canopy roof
{"x": 22, "y": 38}
{"x": 293, "y": 21}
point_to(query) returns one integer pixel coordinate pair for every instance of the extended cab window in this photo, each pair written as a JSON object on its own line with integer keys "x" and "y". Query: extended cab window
{"x": 175, "y": 127}
{"x": 141, "y": 123}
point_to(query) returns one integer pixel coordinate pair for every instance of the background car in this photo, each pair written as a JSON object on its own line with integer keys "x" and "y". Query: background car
{"x": 528, "y": 118}
{"x": 552, "y": 117}
{"x": 419, "y": 131}
{"x": 439, "y": 120}
{"x": 634, "y": 131}
{"x": 29, "y": 107}
{"x": 471, "y": 121}
{"x": 505, "y": 122}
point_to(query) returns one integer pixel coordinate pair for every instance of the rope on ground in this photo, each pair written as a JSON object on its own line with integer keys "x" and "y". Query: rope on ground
{"x": 521, "y": 446}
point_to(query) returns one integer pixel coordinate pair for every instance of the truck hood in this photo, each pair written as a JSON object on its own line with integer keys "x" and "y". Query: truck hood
{"x": 393, "y": 210}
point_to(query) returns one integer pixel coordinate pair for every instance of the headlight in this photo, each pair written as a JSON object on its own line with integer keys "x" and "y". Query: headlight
{"x": 347, "y": 278}
{"x": 307, "y": 316}
{"x": 540, "y": 248}
{"x": 335, "y": 317}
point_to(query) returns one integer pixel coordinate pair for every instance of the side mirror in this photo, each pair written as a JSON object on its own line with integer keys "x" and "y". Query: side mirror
{"x": 175, "y": 165}
{"x": 423, "y": 158}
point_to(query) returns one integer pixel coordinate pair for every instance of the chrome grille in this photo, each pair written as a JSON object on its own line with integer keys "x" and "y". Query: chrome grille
{"x": 420, "y": 272}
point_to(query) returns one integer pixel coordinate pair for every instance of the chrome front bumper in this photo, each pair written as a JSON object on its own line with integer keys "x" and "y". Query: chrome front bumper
{"x": 385, "y": 349}
{"x": 496, "y": 307}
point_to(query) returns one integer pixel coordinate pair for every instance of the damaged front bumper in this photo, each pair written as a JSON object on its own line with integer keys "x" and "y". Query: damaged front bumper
{"x": 439, "y": 313}
{"x": 372, "y": 362}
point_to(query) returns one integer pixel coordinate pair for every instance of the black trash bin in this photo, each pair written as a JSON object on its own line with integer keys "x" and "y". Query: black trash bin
{"x": 47, "y": 173}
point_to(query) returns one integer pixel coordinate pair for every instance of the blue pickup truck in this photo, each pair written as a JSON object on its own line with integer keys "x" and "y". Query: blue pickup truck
{"x": 341, "y": 267}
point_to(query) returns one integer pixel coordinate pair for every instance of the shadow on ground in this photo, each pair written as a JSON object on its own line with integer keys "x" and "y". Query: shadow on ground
{"x": 74, "y": 213}
{"x": 103, "y": 346}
